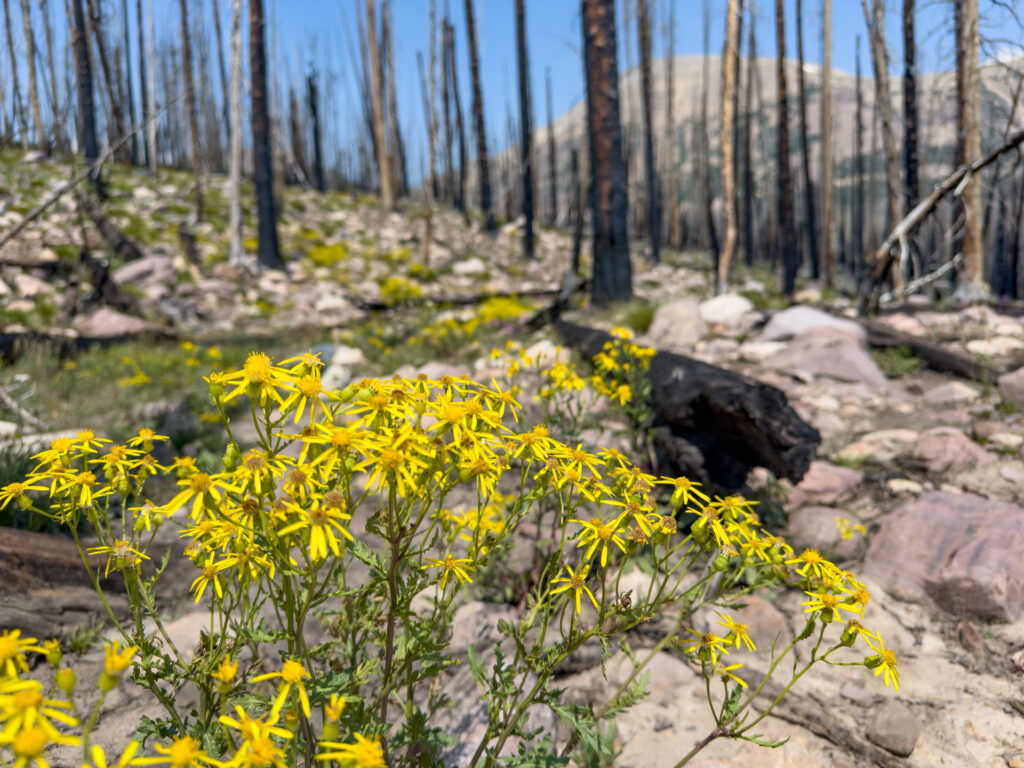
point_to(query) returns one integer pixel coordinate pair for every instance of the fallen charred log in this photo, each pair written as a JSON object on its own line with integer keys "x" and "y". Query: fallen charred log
{"x": 711, "y": 424}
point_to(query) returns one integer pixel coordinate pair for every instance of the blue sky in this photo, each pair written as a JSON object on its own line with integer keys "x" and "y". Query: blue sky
{"x": 312, "y": 30}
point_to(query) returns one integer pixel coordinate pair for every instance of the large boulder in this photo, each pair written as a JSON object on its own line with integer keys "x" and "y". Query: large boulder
{"x": 676, "y": 326}
{"x": 794, "y": 321}
{"x": 830, "y": 351}
{"x": 879, "y": 447}
{"x": 960, "y": 550}
{"x": 108, "y": 323}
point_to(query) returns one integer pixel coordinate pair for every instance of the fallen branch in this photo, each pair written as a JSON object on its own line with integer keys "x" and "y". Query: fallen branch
{"x": 935, "y": 356}
{"x": 13, "y": 406}
{"x": 922, "y": 282}
{"x": 458, "y": 301}
{"x": 954, "y": 183}
{"x": 112, "y": 234}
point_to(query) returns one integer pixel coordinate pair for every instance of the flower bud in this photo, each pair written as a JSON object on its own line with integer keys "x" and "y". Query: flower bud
{"x": 216, "y": 390}
{"x": 808, "y": 629}
{"x": 24, "y": 501}
{"x": 848, "y": 638}
{"x": 53, "y": 652}
{"x": 873, "y": 662}
{"x": 66, "y": 680}
{"x": 720, "y": 563}
{"x": 108, "y": 682}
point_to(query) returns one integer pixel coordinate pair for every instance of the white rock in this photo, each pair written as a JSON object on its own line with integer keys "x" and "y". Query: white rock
{"x": 470, "y": 266}
{"x": 1006, "y": 440}
{"x": 997, "y": 346}
{"x": 547, "y": 352}
{"x": 727, "y": 309}
{"x": 900, "y": 485}
{"x": 756, "y": 351}
{"x": 676, "y": 325}
{"x": 800, "y": 319}
{"x": 29, "y": 286}
{"x": 8, "y": 429}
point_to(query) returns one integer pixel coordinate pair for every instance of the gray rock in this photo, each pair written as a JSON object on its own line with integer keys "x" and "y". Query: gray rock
{"x": 147, "y": 270}
{"x": 676, "y": 325}
{"x": 727, "y": 309}
{"x": 830, "y": 351}
{"x": 960, "y": 550}
{"x": 997, "y": 346}
{"x": 894, "y": 728}
{"x": 1011, "y": 387}
{"x": 951, "y": 393}
{"x": 29, "y": 286}
{"x": 110, "y": 324}
{"x": 878, "y": 447}
{"x": 794, "y": 321}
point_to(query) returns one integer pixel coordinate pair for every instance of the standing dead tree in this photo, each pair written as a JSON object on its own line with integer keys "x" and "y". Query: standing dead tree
{"x": 86, "y": 108}
{"x": 190, "y": 105}
{"x": 19, "y": 104}
{"x": 552, "y": 164}
{"x": 827, "y": 251}
{"x": 399, "y": 169}
{"x": 613, "y": 273}
{"x": 460, "y": 190}
{"x": 526, "y": 128}
{"x": 263, "y": 161}
{"x": 643, "y": 31}
{"x": 787, "y": 226}
{"x": 728, "y": 147}
{"x": 33, "y": 93}
{"x": 380, "y": 140}
{"x": 875, "y": 19}
{"x": 971, "y": 284}
{"x": 805, "y": 145}
{"x": 490, "y": 224}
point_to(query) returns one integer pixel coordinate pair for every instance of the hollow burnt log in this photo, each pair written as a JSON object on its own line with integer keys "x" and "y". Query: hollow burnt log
{"x": 711, "y": 424}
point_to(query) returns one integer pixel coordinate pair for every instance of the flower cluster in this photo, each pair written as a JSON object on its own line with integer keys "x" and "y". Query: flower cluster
{"x": 373, "y": 507}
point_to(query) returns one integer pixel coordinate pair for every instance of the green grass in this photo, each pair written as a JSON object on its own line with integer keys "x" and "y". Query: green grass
{"x": 896, "y": 362}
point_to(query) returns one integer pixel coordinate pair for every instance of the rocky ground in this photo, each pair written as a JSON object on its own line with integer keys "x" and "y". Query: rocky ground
{"x": 931, "y": 465}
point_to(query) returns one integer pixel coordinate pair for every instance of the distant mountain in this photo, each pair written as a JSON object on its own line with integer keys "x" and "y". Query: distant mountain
{"x": 936, "y": 105}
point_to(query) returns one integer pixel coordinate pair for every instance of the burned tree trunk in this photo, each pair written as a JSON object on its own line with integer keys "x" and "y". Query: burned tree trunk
{"x": 446, "y": 112}
{"x": 190, "y": 105}
{"x": 526, "y": 128}
{"x": 380, "y": 140}
{"x": 236, "y": 253}
{"x": 971, "y": 284}
{"x": 263, "y": 177}
{"x": 613, "y": 273}
{"x": 805, "y": 146}
{"x": 552, "y": 165}
{"x": 643, "y": 30}
{"x": 749, "y": 207}
{"x": 880, "y": 59}
{"x": 33, "y": 92}
{"x": 478, "y": 122}
{"x": 827, "y": 252}
{"x": 128, "y": 82}
{"x": 858, "y": 171}
{"x": 398, "y": 164}
{"x": 225, "y": 101}
{"x": 910, "y": 106}
{"x": 19, "y": 103}
{"x": 108, "y": 75}
{"x": 460, "y": 125}
{"x": 787, "y": 227}
{"x": 86, "y": 108}
{"x": 713, "y": 425}
{"x": 313, "y": 104}
{"x": 55, "y": 109}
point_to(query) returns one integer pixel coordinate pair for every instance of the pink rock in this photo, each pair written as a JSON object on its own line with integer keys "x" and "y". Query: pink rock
{"x": 1011, "y": 387}
{"x": 110, "y": 324}
{"x": 836, "y": 353}
{"x": 959, "y": 550}
{"x": 825, "y": 483}
{"x": 816, "y": 528}
{"x": 946, "y": 449}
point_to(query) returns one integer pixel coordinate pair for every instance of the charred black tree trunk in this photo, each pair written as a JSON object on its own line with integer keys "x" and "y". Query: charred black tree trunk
{"x": 552, "y": 164}
{"x": 128, "y": 79}
{"x": 478, "y": 122}
{"x": 805, "y": 147}
{"x": 190, "y": 105}
{"x": 143, "y": 85}
{"x": 86, "y": 108}
{"x": 910, "y": 107}
{"x": 748, "y": 132}
{"x": 526, "y": 128}
{"x": 787, "y": 227}
{"x": 460, "y": 126}
{"x": 643, "y": 26}
{"x": 577, "y": 210}
{"x": 313, "y": 103}
{"x": 446, "y": 109}
{"x": 613, "y": 274}
{"x": 263, "y": 176}
{"x": 858, "y": 173}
